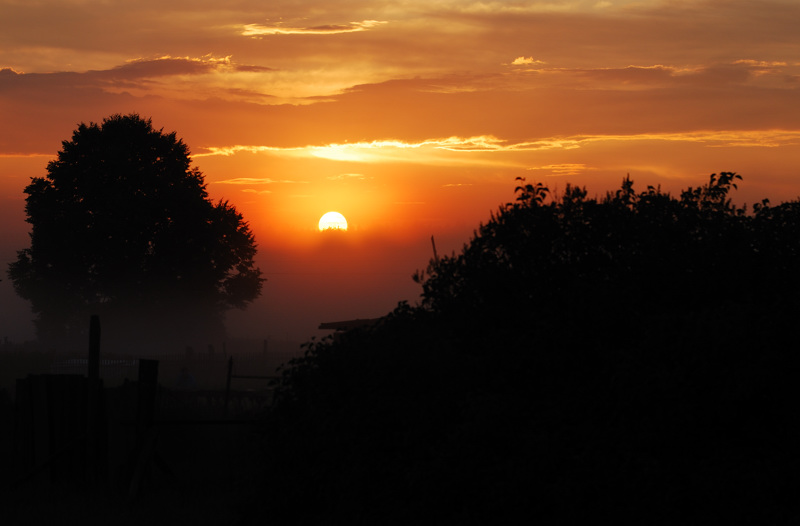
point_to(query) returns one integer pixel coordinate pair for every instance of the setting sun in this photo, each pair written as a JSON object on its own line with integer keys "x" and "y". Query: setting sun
{"x": 332, "y": 221}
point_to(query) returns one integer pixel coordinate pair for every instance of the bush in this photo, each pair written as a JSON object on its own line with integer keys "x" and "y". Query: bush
{"x": 621, "y": 358}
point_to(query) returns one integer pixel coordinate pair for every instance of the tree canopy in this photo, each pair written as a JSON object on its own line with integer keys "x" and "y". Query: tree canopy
{"x": 575, "y": 254}
{"x": 627, "y": 357}
{"x": 122, "y": 226}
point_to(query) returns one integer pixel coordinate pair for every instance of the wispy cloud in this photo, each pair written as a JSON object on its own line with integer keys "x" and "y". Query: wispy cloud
{"x": 562, "y": 169}
{"x": 227, "y": 151}
{"x": 459, "y": 150}
{"x": 258, "y": 30}
{"x": 348, "y": 177}
{"x": 527, "y": 61}
{"x": 256, "y": 181}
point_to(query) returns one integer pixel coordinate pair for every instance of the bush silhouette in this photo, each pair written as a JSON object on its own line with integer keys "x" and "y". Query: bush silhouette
{"x": 122, "y": 226}
{"x": 628, "y": 358}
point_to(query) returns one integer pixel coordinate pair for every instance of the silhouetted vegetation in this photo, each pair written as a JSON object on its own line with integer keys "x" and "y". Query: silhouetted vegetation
{"x": 630, "y": 358}
{"x": 122, "y": 226}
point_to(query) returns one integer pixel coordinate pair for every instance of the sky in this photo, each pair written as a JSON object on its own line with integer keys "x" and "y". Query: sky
{"x": 411, "y": 118}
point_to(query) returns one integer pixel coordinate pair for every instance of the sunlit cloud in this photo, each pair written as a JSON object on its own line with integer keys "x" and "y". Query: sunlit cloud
{"x": 546, "y": 6}
{"x": 463, "y": 150}
{"x": 562, "y": 169}
{"x": 255, "y": 181}
{"x": 527, "y": 61}
{"x": 360, "y": 151}
{"x": 747, "y": 138}
{"x": 760, "y": 63}
{"x": 348, "y": 177}
{"x": 771, "y": 74}
{"x": 257, "y": 192}
{"x": 257, "y": 30}
{"x": 227, "y": 151}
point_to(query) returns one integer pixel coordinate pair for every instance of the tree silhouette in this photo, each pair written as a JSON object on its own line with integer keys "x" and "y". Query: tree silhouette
{"x": 629, "y": 357}
{"x": 122, "y": 226}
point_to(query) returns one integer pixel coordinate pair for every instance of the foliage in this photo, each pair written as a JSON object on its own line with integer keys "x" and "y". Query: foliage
{"x": 122, "y": 226}
{"x": 621, "y": 357}
{"x": 538, "y": 257}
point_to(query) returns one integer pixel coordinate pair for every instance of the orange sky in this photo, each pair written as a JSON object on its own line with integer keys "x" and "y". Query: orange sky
{"x": 411, "y": 118}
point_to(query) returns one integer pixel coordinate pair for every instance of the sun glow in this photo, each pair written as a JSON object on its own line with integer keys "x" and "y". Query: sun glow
{"x": 332, "y": 221}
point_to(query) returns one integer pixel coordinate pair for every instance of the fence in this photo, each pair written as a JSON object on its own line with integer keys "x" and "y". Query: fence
{"x": 107, "y": 419}
{"x": 183, "y": 370}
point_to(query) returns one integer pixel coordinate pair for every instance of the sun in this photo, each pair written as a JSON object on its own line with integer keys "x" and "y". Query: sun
{"x": 332, "y": 221}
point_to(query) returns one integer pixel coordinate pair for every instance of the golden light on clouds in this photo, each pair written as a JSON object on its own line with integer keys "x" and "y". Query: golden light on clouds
{"x": 257, "y": 30}
{"x": 441, "y": 150}
{"x": 527, "y": 61}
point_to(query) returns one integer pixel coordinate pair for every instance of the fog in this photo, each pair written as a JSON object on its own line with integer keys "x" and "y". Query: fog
{"x": 337, "y": 276}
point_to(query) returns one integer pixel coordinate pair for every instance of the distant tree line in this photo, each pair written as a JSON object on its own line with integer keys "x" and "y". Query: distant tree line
{"x": 631, "y": 358}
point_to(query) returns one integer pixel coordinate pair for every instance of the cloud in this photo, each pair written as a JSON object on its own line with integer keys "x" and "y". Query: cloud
{"x": 346, "y": 177}
{"x": 227, "y": 151}
{"x": 771, "y": 74}
{"x": 255, "y": 181}
{"x": 257, "y": 30}
{"x": 642, "y": 75}
{"x": 164, "y": 66}
{"x": 134, "y": 70}
{"x": 760, "y": 63}
{"x": 562, "y": 169}
{"x": 488, "y": 149}
{"x": 527, "y": 61}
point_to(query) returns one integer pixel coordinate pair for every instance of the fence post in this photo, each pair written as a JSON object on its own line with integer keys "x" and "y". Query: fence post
{"x": 93, "y": 402}
{"x": 147, "y": 386}
{"x": 145, "y": 431}
{"x": 228, "y": 386}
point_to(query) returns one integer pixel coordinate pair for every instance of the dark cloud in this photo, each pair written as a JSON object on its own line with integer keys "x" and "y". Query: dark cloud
{"x": 251, "y": 69}
{"x": 130, "y": 75}
{"x": 738, "y": 72}
{"x": 162, "y": 67}
{"x": 630, "y": 74}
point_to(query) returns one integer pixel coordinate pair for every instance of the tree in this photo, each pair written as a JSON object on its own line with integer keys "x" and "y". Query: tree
{"x": 122, "y": 226}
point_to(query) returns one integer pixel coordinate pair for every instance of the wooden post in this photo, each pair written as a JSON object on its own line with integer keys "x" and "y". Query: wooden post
{"x": 93, "y": 402}
{"x": 228, "y": 386}
{"x": 94, "y": 348}
{"x": 148, "y": 386}
{"x": 145, "y": 431}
